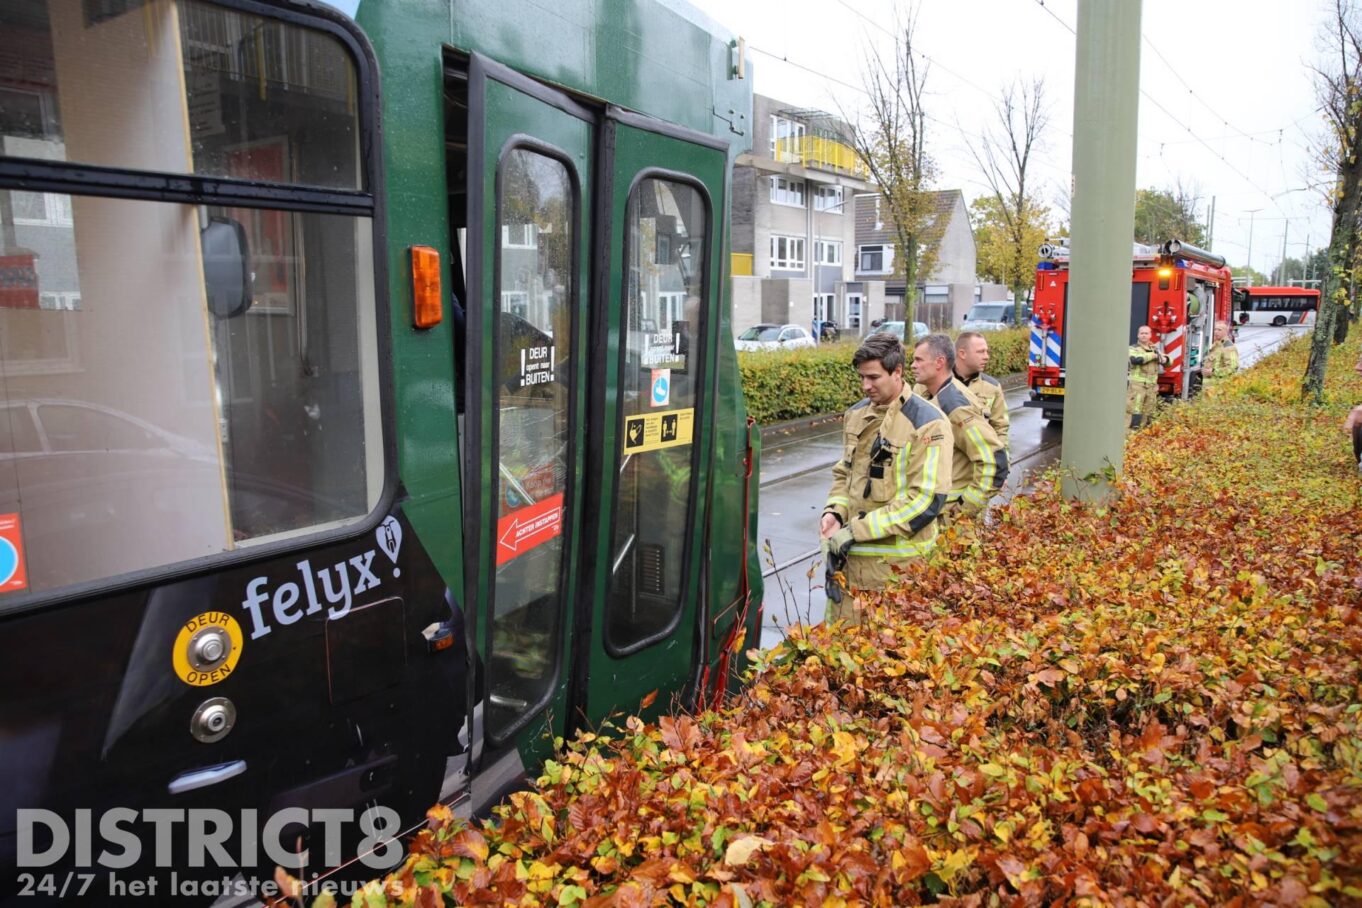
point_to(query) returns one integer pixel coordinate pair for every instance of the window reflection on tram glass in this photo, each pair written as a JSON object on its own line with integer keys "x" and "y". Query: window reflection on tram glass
{"x": 533, "y": 336}
{"x": 139, "y": 425}
{"x": 668, "y": 232}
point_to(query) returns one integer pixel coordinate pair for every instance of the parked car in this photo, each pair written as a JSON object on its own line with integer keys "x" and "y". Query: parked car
{"x": 775, "y": 337}
{"x": 994, "y": 316}
{"x": 920, "y": 330}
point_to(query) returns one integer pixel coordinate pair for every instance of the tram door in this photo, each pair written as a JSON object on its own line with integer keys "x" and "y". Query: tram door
{"x": 530, "y": 153}
{"x": 665, "y": 205}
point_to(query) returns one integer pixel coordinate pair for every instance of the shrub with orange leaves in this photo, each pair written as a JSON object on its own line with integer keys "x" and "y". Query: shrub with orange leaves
{"x": 1158, "y": 701}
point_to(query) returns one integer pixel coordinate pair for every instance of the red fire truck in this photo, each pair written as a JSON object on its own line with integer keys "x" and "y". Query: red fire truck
{"x": 1176, "y": 289}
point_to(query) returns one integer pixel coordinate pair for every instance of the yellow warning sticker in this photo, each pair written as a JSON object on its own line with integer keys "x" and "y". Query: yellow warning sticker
{"x": 652, "y": 431}
{"x": 207, "y": 648}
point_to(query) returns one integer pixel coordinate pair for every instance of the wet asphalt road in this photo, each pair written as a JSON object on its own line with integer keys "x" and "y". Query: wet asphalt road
{"x": 795, "y": 473}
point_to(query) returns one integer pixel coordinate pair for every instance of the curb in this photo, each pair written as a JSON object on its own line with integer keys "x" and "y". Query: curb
{"x": 804, "y": 422}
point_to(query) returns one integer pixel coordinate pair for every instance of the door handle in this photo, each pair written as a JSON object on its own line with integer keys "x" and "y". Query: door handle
{"x": 203, "y": 778}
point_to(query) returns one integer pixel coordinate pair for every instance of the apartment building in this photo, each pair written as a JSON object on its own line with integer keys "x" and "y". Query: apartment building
{"x": 794, "y": 223}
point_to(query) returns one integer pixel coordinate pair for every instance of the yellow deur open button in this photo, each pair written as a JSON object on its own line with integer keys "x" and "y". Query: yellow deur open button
{"x": 207, "y": 648}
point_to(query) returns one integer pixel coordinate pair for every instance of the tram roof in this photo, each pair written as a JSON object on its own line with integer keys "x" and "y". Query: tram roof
{"x": 663, "y": 58}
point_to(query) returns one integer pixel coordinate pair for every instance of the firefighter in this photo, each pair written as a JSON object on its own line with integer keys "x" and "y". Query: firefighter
{"x": 1222, "y": 360}
{"x": 971, "y": 356}
{"x": 1142, "y": 389}
{"x": 979, "y": 461}
{"x": 1353, "y": 423}
{"x": 891, "y": 482}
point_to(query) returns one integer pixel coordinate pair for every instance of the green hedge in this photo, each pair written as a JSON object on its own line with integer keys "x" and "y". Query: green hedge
{"x": 1007, "y": 351}
{"x": 790, "y": 384}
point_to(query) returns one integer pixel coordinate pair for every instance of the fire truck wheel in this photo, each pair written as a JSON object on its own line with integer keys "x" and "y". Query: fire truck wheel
{"x": 1279, "y": 321}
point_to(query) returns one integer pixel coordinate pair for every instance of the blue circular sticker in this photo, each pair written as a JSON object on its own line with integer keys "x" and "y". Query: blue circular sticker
{"x": 660, "y": 390}
{"x": 9, "y": 560}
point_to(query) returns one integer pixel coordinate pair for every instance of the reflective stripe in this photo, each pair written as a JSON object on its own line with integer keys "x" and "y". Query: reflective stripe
{"x": 1141, "y": 380}
{"x": 838, "y": 499}
{"x": 1052, "y": 349}
{"x": 990, "y": 470}
{"x": 903, "y": 548}
{"x": 880, "y": 523}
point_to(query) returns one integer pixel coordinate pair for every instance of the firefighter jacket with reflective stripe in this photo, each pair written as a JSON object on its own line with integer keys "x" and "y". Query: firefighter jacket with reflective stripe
{"x": 1222, "y": 361}
{"x": 988, "y": 391}
{"x": 1144, "y": 364}
{"x": 893, "y": 477}
{"x": 979, "y": 464}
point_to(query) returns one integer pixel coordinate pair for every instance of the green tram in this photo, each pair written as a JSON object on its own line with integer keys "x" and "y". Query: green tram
{"x": 370, "y": 414}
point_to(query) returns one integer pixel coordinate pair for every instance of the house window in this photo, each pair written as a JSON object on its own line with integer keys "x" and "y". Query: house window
{"x": 787, "y": 253}
{"x": 519, "y": 236}
{"x": 669, "y": 309}
{"x": 516, "y": 302}
{"x": 828, "y": 198}
{"x": 41, "y": 209}
{"x": 875, "y": 259}
{"x": 825, "y": 306}
{"x": 786, "y": 136}
{"x": 827, "y": 252}
{"x": 787, "y": 192}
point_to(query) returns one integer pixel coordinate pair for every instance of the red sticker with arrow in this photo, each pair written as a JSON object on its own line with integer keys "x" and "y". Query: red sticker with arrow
{"x": 522, "y": 530}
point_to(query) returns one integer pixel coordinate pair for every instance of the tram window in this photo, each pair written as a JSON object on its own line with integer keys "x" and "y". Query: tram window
{"x": 138, "y": 430}
{"x": 662, "y": 312}
{"x": 182, "y": 87}
{"x": 535, "y": 207}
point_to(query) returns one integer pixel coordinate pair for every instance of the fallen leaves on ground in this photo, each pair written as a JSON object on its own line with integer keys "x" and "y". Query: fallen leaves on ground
{"x": 1153, "y": 702}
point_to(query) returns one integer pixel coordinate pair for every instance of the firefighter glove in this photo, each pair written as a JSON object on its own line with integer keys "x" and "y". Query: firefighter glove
{"x": 839, "y": 544}
{"x": 830, "y": 583}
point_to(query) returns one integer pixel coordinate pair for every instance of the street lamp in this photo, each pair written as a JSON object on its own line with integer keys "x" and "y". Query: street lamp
{"x": 1251, "y": 213}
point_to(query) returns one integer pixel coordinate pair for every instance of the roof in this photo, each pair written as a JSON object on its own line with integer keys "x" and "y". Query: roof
{"x": 943, "y": 203}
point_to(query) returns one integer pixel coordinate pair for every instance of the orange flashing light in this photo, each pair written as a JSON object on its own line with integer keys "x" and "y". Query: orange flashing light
{"x": 1165, "y": 272}
{"x": 427, "y": 302}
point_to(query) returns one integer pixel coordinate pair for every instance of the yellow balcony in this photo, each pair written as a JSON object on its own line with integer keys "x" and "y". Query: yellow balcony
{"x": 818, "y": 152}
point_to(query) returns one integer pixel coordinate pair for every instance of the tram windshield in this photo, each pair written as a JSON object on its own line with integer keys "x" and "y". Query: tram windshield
{"x": 146, "y": 419}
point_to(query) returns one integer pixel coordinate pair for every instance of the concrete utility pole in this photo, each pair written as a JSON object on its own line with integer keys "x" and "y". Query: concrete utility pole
{"x": 1106, "y": 108}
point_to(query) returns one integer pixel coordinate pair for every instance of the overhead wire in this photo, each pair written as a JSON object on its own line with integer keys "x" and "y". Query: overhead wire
{"x": 956, "y": 127}
{"x": 1183, "y": 126}
{"x": 1194, "y": 137}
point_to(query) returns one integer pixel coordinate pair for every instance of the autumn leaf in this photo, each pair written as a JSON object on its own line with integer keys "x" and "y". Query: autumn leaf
{"x": 740, "y": 850}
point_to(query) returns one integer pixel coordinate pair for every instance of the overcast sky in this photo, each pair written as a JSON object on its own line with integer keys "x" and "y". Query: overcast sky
{"x": 1227, "y": 106}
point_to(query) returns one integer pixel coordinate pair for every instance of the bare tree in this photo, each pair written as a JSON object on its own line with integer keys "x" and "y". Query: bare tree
{"x": 892, "y": 146}
{"x": 1338, "y": 84}
{"x": 1004, "y": 155}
